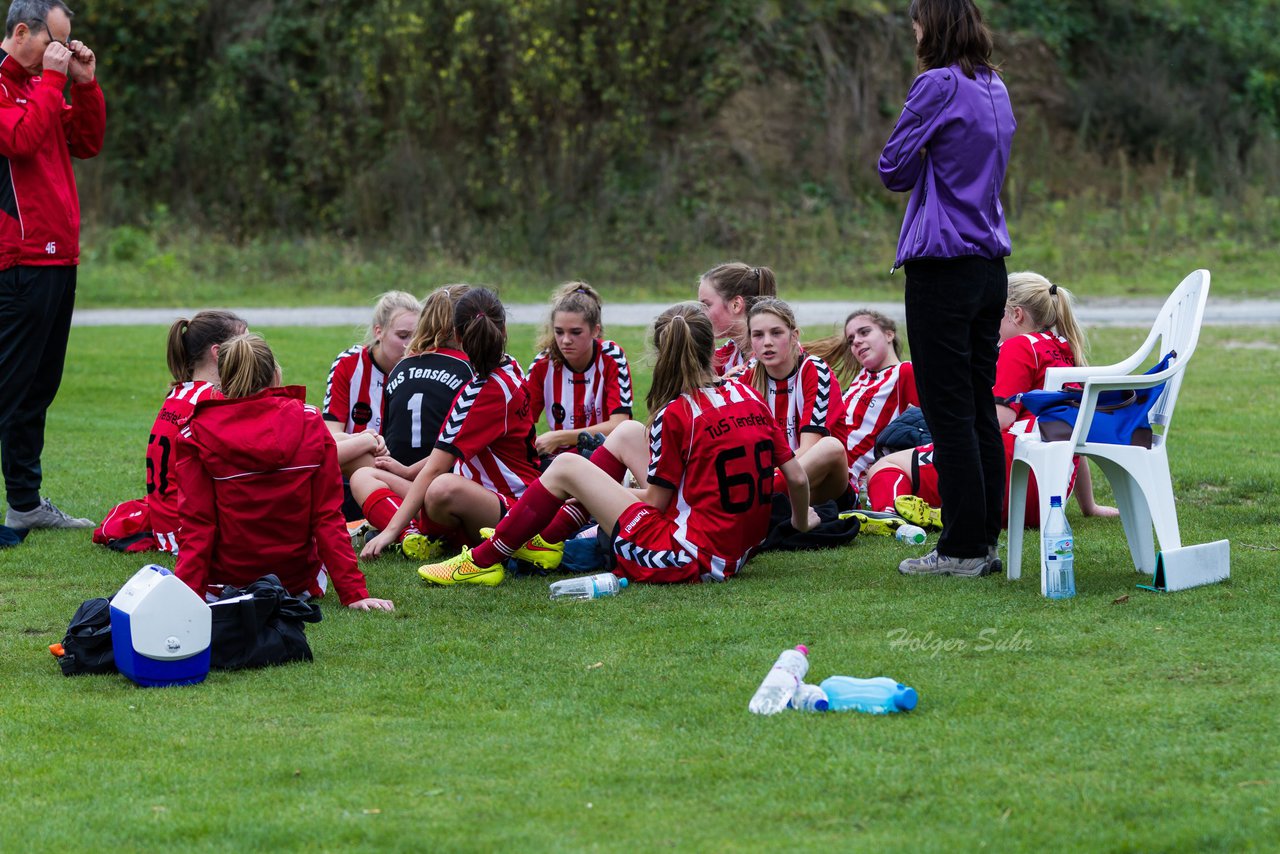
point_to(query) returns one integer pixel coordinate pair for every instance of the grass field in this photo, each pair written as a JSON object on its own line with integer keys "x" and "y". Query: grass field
{"x": 478, "y": 719}
{"x": 1097, "y": 250}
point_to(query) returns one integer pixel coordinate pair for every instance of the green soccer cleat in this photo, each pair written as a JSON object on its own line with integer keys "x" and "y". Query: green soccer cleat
{"x": 537, "y": 551}
{"x": 460, "y": 569}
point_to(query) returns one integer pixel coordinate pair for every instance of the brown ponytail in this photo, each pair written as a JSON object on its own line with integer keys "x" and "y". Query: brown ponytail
{"x": 190, "y": 340}
{"x": 684, "y": 343}
{"x": 481, "y": 325}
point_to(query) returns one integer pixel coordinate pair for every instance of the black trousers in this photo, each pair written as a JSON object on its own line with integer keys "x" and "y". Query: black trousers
{"x": 954, "y": 307}
{"x": 35, "y": 322}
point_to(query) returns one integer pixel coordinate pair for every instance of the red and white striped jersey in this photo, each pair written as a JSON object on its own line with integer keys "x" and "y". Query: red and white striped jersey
{"x": 162, "y": 487}
{"x": 807, "y": 401}
{"x": 873, "y": 399}
{"x": 577, "y": 400}
{"x": 353, "y": 394}
{"x": 490, "y": 431}
{"x": 717, "y": 448}
{"x": 727, "y": 357}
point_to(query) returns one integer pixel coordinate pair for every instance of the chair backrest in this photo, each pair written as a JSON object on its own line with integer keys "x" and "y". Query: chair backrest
{"x": 1177, "y": 329}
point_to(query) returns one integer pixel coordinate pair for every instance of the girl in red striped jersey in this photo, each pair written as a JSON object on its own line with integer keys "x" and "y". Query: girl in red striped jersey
{"x": 713, "y": 447}
{"x": 192, "y": 355}
{"x": 802, "y": 394}
{"x": 484, "y": 455}
{"x": 582, "y": 381}
{"x": 881, "y": 387}
{"x": 727, "y": 291}
{"x": 353, "y": 394}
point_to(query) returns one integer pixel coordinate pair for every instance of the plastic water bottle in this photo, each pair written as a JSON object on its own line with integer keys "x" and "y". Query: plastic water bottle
{"x": 782, "y": 682}
{"x": 878, "y": 696}
{"x": 911, "y": 535}
{"x": 1059, "y": 560}
{"x": 808, "y": 698}
{"x": 587, "y": 586}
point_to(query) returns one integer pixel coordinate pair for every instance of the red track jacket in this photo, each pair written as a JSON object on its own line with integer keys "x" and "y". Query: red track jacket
{"x": 39, "y": 134}
{"x": 260, "y": 492}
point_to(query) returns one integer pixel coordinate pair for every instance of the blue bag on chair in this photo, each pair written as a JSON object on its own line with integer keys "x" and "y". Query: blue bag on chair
{"x": 1120, "y": 417}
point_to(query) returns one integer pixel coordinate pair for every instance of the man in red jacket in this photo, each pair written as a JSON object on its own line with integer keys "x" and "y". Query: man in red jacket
{"x": 39, "y": 234}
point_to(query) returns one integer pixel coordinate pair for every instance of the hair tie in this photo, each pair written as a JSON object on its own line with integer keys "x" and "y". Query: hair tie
{"x": 580, "y": 291}
{"x": 755, "y": 271}
{"x": 1053, "y": 289}
{"x": 479, "y": 314}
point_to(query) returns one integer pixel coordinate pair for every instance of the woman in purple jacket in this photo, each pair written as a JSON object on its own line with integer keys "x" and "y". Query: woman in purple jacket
{"x": 950, "y": 148}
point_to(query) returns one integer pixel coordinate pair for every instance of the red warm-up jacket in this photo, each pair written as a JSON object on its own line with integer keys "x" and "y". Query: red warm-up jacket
{"x": 260, "y": 492}
{"x": 39, "y": 134}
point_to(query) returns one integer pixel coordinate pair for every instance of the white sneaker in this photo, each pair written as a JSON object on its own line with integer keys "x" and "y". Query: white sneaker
{"x": 47, "y": 515}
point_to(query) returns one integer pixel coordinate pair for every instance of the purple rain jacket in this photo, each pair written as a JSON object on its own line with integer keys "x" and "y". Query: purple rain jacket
{"x": 965, "y": 127}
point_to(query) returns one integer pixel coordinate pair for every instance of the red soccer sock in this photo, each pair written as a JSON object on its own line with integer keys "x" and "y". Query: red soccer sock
{"x": 612, "y": 466}
{"x": 886, "y": 485}
{"x": 380, "y": 508}
{"x": 568, "y": 520}
{"x": 532, "y": 513}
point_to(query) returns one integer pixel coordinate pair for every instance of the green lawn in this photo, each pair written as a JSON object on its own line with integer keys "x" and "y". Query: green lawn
{"x": 478, "y": 719}
{"x": 1097, "y": 251}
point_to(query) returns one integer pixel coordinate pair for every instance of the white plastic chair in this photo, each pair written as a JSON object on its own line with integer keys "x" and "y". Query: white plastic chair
{"x": 1139, "y": 476}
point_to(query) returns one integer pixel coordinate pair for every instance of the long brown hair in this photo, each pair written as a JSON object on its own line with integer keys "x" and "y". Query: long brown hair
{"x": 435, "y": 321}
{"x": 574, "y": 298}
{"x": 481, "y": 324}
{"x": 246, "y": 365}
{"x": 779, "y": 309}
{"x": 835, "y": 349}
{"x": 189, "y": 340}
{"x": 952, "y": 33}
{"x": 684, "y": 343}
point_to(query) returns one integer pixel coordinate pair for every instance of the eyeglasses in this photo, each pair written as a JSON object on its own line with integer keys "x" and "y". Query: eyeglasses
{"x": 64, "y": 42}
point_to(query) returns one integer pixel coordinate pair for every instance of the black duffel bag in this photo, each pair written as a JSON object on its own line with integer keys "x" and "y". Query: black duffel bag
{"x": 264, "y": 627}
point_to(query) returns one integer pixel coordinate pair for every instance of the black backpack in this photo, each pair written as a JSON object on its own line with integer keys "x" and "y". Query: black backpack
{"x": 908, "y": 430}
{"x": 87, "y": 646}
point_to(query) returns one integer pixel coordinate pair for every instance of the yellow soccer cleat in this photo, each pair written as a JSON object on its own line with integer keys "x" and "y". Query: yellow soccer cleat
{"x": 873, "y": 523}
{"x": 537, "y": 551}
{"x": 917, "y": 511}
{"x": 462, "y": 570}
{"x": 421, "y": 547}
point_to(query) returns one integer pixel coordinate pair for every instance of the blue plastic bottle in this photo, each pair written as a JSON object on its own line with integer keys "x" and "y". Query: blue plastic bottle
{"x": 877, "y": 696}
{"x": 1059, "y": 558}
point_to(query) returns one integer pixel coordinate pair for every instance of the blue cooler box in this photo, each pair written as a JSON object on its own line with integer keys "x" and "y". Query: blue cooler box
{"x": 160, "y": 630}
